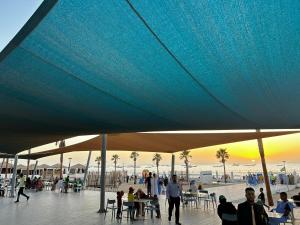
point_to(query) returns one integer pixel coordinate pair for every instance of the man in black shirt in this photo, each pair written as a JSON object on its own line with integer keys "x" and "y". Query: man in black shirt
{"x": 226, "y": 208}
{"x": 251, "y": 213}
{"x": 262, "y": 198}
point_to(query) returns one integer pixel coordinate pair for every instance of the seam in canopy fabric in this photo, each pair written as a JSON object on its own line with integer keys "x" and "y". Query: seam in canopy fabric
{"x": 183, "y": 67}
{"x": 96, "y": 88}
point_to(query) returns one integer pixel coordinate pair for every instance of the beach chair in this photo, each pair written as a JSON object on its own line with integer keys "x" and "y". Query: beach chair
{"x": 211, "y": 199}
{"x": 110, "y": 205}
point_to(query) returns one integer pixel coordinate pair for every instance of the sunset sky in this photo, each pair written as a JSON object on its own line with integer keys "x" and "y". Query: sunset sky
{"x": 277, "y": 149}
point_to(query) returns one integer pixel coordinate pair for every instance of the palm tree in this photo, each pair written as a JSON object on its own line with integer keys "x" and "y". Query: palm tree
{"x": 61, "y": 144}
{"x": 134, "y": 155}
{"x": 223, "y": 155}
{"x": 157, "y": 158}
{"x": 98, "y": 160}
{"x": 115, "y": 159}
{"x": 186, "y": 156}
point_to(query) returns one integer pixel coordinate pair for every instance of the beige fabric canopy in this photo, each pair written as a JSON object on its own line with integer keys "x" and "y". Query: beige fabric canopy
{"x": 157, "y": 142}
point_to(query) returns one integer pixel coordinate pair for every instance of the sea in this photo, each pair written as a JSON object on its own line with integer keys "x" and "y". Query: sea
{"x": 235, "y": 170}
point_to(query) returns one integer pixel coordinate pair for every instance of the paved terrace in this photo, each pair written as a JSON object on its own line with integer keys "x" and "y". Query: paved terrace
{"x": 48, "y": 207}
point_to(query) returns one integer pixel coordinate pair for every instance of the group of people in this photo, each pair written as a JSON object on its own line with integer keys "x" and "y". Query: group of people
{"x": 139, "y": 209}
{"x": 173, "y": 194}
{"x": 35, "y": 183}
{"x": 252, "y": 212}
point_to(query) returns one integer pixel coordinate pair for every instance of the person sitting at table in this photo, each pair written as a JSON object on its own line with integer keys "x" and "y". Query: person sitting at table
{"x": 296, "y": 198}
{"x": 28, "y": 183}
{"x": 285, "y": 207}
{"x": 226, "y": 208}
{"x": 39, "y": 185}
{"x": 140, "y": 195}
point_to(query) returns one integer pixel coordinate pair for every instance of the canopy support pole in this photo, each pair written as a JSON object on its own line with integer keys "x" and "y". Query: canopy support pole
{"x": 265, "y": 172}
{"x": 28, "y": 161}
{"x": 13, "y": 179}
{"x": 173, "y": 165}
{"x": 87, "y": 168}
{"x": 102, "y": 178}
{"x": 2, "y": 165}
{"x": 34, "y": 170}
{"x": 61, "y": 165}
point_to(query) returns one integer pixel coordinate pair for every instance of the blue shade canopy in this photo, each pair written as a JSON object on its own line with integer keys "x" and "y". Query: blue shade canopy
{"x": 119, "y": 66}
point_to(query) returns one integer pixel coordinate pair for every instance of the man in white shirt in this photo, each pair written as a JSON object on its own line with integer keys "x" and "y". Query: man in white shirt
{"x": 173, "y": 195}
{"x": 21, "y": 187}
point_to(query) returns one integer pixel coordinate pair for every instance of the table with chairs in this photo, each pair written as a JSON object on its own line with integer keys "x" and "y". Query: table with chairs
{"x": 130, "y": 208}
{"x": 194, "y": 199}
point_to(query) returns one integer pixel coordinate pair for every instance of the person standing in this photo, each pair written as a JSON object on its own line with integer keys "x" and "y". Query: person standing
{"x": 21, "y": 188}
{"x": 261, "y": 197}
{"x": 251, "y": 213}
{"x": 67, "y": 180}
{"x": 154, "y": 185}
{"x": 148, "y": 182}
{"x": 173, "y": 195}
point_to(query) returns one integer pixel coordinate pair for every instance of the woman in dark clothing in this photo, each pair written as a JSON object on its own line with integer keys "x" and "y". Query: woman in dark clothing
{"x": 228, "y": 209}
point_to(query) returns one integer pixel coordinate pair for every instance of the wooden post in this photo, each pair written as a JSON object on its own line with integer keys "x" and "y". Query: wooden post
{"x": 265, "y": 171}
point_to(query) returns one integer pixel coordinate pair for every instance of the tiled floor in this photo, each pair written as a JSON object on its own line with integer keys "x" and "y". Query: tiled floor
{"x": 45, "y": 208}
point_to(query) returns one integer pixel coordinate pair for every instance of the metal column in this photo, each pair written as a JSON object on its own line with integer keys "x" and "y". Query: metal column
{"x": 6, "y": 168}
{"x": 265, "y": 172}
{"x": 87, "y": 168}
{"x": 102, "y": 177}
{"x": 61, "y": 165}
{"x": 28, "y": 162}
{"x": 13, "y": 179}
{"x": 34, "y": 170}
{"x": 173, "y": 165}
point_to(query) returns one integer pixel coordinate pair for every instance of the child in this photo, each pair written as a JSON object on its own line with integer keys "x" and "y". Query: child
{"x": 155, "y": 202}
{"x": 130, "y": 194}
{"x": 119, "y": 203}
{"x": 131, "y": 199}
